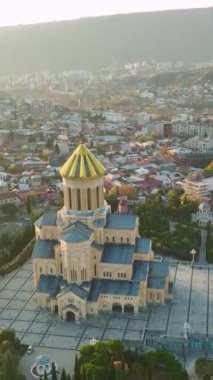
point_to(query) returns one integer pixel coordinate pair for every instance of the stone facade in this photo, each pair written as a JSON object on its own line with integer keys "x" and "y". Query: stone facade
{"x": 87, "y": 260}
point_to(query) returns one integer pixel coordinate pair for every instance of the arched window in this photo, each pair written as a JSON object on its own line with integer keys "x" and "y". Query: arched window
{"x": 89, "y": 199}
{"x": 122, "y": 239}
{"x": 127, "y": 240}
{"x": 70, "y": 198}
{"x": 97, "y": 197}
{"x": 40, "y": 269}
{"x": 79, "y": 199}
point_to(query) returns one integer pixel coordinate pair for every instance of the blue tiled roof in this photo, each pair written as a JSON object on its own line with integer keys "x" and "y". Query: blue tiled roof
{"x": 140, "y": 270}
{"x": 70, "y": 306}
{"x": 157, "y": 273}
{"x": 123, "y": 222}
{"x": 142, "y": 245}
{"x": 98, "y": 223}
{"x": 158, "y": 269}
{"x": 74, "y": 236}
{"x": 97, "y": 246}
{"x": 83, "y": 227}
{"x": 44, "y": 249}
{"x": 117, "y": 287}
{"x": 86, "y": 284}
{"x": 75, "y": 289}
{"x": 49, "y": 219}
{"x": 156, "y": 283}
{"x": 117, "y": 253}
{"x": 77, "y": 233}
{"x": 49, "y": 284}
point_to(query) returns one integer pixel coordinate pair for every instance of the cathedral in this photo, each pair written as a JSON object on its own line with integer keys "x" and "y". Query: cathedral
{"x": 87, "y": 260}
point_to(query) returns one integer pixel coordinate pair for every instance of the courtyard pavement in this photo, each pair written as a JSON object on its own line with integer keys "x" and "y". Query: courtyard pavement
{"x": 192, "y": 303}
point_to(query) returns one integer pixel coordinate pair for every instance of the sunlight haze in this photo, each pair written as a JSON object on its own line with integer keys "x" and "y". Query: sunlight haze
{"x": 14, "y": 12}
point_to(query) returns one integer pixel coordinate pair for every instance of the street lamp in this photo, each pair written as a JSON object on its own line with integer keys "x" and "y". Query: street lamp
{"x": 193, "y": 253}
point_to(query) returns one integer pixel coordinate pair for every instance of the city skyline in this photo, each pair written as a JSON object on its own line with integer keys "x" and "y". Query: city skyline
{"x": 37, "y": 11}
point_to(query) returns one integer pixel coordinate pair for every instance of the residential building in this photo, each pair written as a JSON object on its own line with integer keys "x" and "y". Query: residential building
{"x": 196, "y": 188}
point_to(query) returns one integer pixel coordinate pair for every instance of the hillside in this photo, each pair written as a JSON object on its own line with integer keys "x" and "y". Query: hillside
{"x": 92, "y": 43}
{"x": 187, "y": 77}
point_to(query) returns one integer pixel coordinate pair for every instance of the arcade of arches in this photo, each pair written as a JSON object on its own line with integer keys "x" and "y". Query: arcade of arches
{"x": 118, "y": 308}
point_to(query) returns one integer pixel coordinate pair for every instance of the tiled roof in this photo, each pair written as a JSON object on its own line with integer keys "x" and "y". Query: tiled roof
{"x": 140, "y": 270}
{"x": 82, "y": 164}
{"x": 70, "y": 306}
{"x": 156, "y": 283}
{"x": 117, "y": 253}
{"x": 142, "y": 245}
{"x": 75, "y": 289}
{"x": 49, "y": 284}
{"x": 123, "y": 222}
{"x": 97, "y": 246}
{"x": 44, "y": 249}
{"x": 77, "y": 233}
{"x": 48, "y": 219}
{"x": 116, "y": 287}
{"x": 158, "y": 269}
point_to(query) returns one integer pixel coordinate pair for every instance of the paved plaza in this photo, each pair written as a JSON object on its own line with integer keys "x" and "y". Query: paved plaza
{"x": 192, "y": 303}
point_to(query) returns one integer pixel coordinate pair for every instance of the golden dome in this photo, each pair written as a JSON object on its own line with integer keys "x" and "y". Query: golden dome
{"x": 82, "y": 164}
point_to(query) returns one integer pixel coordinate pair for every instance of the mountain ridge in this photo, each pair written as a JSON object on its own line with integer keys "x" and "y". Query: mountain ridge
{"x": 95, "y": 42}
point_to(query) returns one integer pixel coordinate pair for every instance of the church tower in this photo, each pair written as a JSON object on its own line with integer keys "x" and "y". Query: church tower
{"x": 82, "y": 177}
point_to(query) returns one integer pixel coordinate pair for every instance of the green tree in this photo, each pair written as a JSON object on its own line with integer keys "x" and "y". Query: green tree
{"x": 112, "y": 198}
{"x": 115, "y": 348}
{"x": 28, "y": 205}
{"x": 45, "y": 376}
{"x": 5, "y": 241}
{"x": 77, "y": 369}
{"x": 112, "y": 370}
{"x": 54, "y": 374}
{"x": 63, "y": 375}
{"x": 87, "y": 353}
{"x": 209, "y": 169}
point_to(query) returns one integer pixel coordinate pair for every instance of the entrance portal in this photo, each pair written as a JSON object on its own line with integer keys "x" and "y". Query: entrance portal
{"x": 70, "y": 315}
{"x": 129, "y": 308}
{"x": 117, "y": 308}
{"x": 56, "y": 309}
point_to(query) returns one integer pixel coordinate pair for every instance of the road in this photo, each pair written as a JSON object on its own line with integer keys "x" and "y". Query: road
{"x": 202, "y": 252}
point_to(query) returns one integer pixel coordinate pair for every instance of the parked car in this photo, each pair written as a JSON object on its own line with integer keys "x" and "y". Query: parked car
{"x": 29, "y": 349}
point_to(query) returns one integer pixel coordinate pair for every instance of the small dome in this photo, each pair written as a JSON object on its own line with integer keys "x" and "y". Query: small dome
{"x": 204, "y": 206}
{"x": 43, "y": 360}
{"x": 82, "y": 164}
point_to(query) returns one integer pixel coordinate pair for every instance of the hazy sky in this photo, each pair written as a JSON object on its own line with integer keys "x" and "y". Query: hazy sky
{"x": 14, "y": 12}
